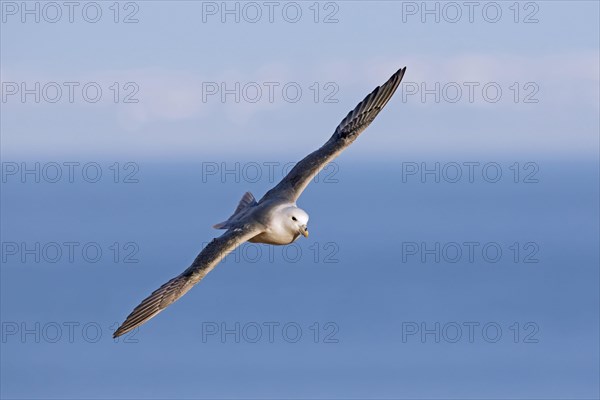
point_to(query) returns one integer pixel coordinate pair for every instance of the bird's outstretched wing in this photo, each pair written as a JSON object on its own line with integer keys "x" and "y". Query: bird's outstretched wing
{"x": 168, "y": 293}
{"x": 294, "y": 183}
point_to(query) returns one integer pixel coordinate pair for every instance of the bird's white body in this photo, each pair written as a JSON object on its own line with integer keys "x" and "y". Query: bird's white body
{"x": 284, "y": 224}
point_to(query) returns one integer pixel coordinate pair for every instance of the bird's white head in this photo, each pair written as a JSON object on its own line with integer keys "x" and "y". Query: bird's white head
{"x": 296, "y": 219}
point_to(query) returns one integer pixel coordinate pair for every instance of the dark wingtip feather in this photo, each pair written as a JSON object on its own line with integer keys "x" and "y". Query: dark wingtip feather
{"x": 366, "y": 111}
{"x": 169, "y": 292}
{"x": 153, "y": 304}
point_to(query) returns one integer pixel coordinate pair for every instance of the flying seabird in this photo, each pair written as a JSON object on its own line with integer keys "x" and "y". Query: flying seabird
{"x": 275, "y": 218}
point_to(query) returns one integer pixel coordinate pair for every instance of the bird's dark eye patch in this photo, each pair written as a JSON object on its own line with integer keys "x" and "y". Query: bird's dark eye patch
{"x": 294, "y": 218}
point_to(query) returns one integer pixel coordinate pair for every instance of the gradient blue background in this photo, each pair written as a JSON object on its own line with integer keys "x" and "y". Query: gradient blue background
{"x": 368, "y": 211}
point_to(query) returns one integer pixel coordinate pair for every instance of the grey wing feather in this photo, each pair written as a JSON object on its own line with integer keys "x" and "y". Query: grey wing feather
{"x": 357, "y": 120}
{"x": 168, "y": 293}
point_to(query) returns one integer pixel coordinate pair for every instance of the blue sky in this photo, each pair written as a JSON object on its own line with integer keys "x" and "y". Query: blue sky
{"x": 109, "y": 191}
{"x": 170, "y": 56}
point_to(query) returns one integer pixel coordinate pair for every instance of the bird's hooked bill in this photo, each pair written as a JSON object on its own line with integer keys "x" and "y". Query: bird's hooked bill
{"x": 304, "y": 231}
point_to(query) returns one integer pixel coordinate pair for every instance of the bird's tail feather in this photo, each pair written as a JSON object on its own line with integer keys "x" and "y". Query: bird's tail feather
{"x": 247, "y": 200}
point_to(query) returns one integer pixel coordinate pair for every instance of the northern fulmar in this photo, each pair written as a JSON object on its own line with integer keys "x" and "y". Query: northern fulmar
{"x": 275, "y": 218}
